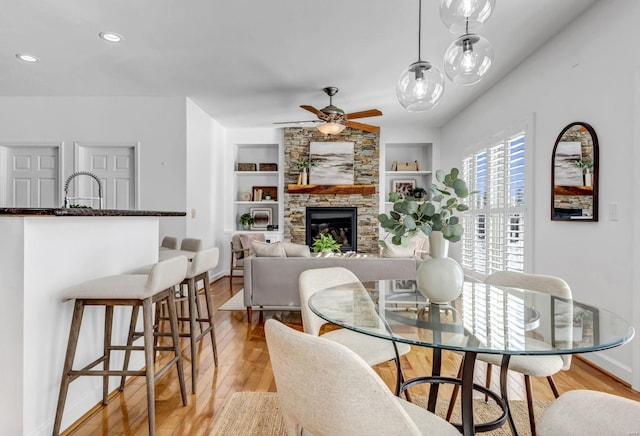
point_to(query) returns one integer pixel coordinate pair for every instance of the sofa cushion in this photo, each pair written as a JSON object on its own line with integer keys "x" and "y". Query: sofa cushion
{"x": 264, "y": 249}
{"x": 418, "y": 246}
{"x": 245, "y": 241}
{"x": 296, "y": 250}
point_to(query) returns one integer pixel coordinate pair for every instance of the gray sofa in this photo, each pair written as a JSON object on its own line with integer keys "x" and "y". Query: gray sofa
{"x": 273, "y": 281}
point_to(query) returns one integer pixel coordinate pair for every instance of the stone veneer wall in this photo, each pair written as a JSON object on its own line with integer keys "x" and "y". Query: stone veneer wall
{"x": 366, "y": 166}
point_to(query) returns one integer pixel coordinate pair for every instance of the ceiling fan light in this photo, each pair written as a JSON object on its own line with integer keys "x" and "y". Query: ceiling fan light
{"x": 420, "y": 87}
{"x": 330, "y": 128}
{"x": 468, "y": 59}
{"x": 457, "y": 14}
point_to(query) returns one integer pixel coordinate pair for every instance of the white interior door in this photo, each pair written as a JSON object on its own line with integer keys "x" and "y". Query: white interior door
{"x": 32, "y": 176}
{"x": 115, "y": 166}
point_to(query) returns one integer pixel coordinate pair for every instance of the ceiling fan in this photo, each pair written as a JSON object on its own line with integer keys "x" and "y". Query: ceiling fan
{"x": 334, "y": 120}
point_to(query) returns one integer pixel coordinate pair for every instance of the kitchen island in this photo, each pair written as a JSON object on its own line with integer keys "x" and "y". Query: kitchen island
{"x": 43, "y": 252}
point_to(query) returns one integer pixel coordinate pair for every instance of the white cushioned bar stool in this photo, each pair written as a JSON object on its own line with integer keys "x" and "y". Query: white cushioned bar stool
{"x": 198, "y": 269}
{"x": 126, "y": 290}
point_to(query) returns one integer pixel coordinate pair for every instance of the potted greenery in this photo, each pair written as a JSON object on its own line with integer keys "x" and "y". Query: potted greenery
{"x": 408, "y": 217}
{"x": 246, "y": 220}
{"x": 325, "y": 243}
{"x": 305, "y": 165}
{"x": 587, "y": 171}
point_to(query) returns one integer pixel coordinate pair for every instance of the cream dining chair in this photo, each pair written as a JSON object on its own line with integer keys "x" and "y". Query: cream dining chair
{"x": 326, "y": 389}
{"x": 529, "y": 366}
{"x": 372, "y": 349}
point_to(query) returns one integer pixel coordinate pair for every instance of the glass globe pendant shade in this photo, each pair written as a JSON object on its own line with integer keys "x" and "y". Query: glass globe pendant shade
{"x": 468, "y": 59}
{"x": 465, "y": 15}
{"x": 420, "y": 87}
{"x": 331, "y": 128}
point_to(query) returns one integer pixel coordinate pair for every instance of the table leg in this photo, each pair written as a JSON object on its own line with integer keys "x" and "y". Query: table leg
{"x": 468, "y": 425}
{"x": 504, "y": 369}
{"x": 435, "y": 372}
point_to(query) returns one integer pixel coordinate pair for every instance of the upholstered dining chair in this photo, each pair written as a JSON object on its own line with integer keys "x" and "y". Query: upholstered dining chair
{"x": 240, "y": 249}
{"x": 529, "y": 366}
{"x": 373, "y": 350}
{"x": 585, "y": 413}
{"x": 326, "y": 389}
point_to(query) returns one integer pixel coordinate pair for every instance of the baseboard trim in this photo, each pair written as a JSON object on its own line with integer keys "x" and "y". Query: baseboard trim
{"x": 611, "y": 367}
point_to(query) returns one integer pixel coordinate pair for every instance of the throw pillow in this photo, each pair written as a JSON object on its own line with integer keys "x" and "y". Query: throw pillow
{"x": 393, "y": 250}
{"x": 247, "y": 238}
{"x": 296, "y": 250}
{"x": 264, "y": 249}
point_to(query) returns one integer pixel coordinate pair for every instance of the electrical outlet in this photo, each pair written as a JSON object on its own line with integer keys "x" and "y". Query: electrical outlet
{"x": 613, "y": 211}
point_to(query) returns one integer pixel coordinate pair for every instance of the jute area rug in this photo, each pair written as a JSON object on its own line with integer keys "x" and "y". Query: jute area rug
{"x": 258, "y": 414}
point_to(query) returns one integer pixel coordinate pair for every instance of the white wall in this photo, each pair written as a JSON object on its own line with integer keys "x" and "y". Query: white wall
{"x": 159, "y": 124}
{"x": 585, "y": 73}
{"x": 205, "y": 181}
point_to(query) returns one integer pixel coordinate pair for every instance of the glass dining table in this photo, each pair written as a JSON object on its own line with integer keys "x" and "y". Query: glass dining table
{"x": 484, "y": 319}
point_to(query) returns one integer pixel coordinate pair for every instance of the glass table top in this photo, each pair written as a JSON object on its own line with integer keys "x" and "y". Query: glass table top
{"x": 485, "y": 319}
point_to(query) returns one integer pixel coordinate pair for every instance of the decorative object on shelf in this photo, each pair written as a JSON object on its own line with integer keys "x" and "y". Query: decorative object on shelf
{"x": 305, "y": 165}
{"x": 334, "y": 163}
{"x": 272, "y": 228}
{"x": 268, "y": 166}
{"x": 470, "y": 56}
{"x": 261, "y": 217}
{"x": 325, "y": 243}
{"x": 419, "y": 193}
{"x": 406, "y": 166}
{"x": 574, "y": 174}
{"x": 246, "y": 220}
{"x": 245, "y": 196}
{"x": 246, "y": 166}
{"x": 438, "y": 277}
{"x": 458, "y": 15}
{"x": 402, "y": 187}
{"x": 421, "y": 84}
{"x": 587, "y": 171}
{"x": 263, "y": 191}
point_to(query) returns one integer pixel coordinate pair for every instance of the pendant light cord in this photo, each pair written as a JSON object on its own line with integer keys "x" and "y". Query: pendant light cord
{"x": 419, "y": 28}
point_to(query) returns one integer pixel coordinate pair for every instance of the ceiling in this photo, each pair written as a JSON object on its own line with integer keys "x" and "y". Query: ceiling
{"x": 250, "y": 63}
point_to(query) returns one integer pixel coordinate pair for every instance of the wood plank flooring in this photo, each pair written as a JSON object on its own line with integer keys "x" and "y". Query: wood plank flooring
{"x": 244, "y": 366}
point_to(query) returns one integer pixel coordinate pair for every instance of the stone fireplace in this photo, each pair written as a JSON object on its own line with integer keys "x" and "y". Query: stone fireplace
{"x": 341, "y": 223}
{"x": 366, "y": 172}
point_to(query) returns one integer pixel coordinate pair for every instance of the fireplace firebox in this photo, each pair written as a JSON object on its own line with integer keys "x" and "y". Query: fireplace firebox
{"x": 339, "y": 222}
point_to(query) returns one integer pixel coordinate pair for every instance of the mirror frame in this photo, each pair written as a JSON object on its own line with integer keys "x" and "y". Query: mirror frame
{"x": 594, "y": 184}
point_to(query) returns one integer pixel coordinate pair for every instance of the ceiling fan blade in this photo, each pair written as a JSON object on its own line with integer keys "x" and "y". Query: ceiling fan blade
{"x": 314, "y": 110}
{"x": 361, "y": 126}
{"x": 364, "y": 114}
{"x": 298, "y": 122}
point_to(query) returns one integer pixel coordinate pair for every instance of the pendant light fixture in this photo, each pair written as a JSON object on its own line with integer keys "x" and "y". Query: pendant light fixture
{"x": 468, "y": 59}
{"x": 465, "y": 15}
{"x": 420, "y": 85}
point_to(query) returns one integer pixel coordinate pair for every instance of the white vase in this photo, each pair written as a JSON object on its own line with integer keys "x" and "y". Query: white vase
{"x": 304, "y": 176}
{"x": 439, "y": 278}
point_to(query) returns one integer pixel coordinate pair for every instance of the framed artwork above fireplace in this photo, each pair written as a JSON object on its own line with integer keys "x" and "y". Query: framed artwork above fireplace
{"x": 334, "y": 163}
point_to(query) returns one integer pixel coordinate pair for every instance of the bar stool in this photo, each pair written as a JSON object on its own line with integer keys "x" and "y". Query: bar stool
{"x": 202, "y": 262}
{"x": 126, "y": 290}
{"x": 191, "y": 244}
{"x": 169, "y": 243}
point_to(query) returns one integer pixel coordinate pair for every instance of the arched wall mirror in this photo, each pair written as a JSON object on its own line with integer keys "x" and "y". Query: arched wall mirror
{"x": 574, "y": 174}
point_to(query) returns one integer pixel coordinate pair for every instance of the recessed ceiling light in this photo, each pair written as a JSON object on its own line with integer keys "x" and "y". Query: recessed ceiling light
{"x": 110, "y": 36}
{"x": 27, "y": 57}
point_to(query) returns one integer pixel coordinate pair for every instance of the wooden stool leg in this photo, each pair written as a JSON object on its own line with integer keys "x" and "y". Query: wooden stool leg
{"x": 208, "y": 300}
{"x": 198, "y": 306}
{"x": 108, "y": 325}
{"x": 147, "y": 316}
{"x": 156, "y": 327}
{"x": 249, "y": 314}
{"x": 488, "y": 380}
{"x": 173, "y": 324}
{"x": 127, "y": 354}
{"x": 191, "y": 291}
{"x": 74, "y": 332}
{"x": 454, "y": 394}
{"x": 532, "y": 418}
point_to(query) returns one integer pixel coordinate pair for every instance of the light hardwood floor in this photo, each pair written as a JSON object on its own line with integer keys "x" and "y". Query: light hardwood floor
{"x": 244, "y": 366}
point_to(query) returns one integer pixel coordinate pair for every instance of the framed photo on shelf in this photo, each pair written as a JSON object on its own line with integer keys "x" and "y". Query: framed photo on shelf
{"x": 403, "y": 186}
{"x": 261, "y": 217}
{"x": 265, "y": 193}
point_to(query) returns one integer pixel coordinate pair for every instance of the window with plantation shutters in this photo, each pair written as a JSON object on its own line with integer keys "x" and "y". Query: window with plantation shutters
{"x": 495, "y": 226}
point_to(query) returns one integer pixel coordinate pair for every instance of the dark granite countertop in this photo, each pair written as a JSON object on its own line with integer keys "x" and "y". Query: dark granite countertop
{"x": 83, "y": 212}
